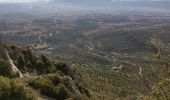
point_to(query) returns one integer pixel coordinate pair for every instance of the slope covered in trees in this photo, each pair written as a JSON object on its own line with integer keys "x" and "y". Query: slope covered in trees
{"x": 42, "y": 78}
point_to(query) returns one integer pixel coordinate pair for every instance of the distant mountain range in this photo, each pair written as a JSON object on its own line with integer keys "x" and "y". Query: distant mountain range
{"x": 113, "y": 4}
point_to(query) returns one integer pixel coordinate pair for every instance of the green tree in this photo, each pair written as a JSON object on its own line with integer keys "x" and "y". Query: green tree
{"x": 62, "y": 67}
{"x": 21, "y": 63}
{"x": 45, "y": 60}
{"x": 40, "y": 66}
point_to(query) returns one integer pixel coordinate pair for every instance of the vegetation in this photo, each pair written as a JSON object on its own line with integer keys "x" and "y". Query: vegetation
{"x": 15, "y": 90}
{"x": 5, "y": 69}
{"x": 128, "y": 82}
{"x": 161, "y": 91}
{"x": 52, "y": 86}
{"x": 46, "y": 78}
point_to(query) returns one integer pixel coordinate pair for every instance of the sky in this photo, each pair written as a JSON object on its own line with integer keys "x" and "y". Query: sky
{"x": 19, "y": 1}
{"x": 27, "y": 1}
{"x": 30, "y": 1}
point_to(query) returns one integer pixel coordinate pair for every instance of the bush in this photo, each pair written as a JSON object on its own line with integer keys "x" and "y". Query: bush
{"x": 4, "y": 89}
{"x": 15, "y": 90}
{"x": 40, "y": 66}
{"x": 5, "y": 69}
{"x": 62, "y": 93}
{"x": 21, "y": 63}
{"x": 62, "y": 67}
{"x": 45, "y": 85}
{"x": 55, "y": 78}
{"x": 45, "y": 60}
{"x": 51, "y": 85}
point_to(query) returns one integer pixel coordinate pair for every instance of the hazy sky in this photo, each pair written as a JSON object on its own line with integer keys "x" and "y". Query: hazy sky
{"x": 19, "y": 1}
{"x": 27, "y": 1}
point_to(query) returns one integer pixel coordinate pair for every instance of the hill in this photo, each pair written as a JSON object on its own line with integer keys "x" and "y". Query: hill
{"x": 38, "y": 77}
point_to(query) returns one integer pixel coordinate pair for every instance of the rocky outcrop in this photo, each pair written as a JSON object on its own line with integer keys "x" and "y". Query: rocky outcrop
{"x": 14, "y": 68}
{"x": 74, "y": 88}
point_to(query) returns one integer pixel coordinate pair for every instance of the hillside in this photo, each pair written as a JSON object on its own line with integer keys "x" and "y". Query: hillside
{"x": 39, "y": 78}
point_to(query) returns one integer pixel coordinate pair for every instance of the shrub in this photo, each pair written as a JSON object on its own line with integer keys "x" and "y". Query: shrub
{"x": 40, "y": 66}
{"x": 21, "y": 63}
{"x": 62, "y": 93}
{"x": 5, "y": 69}
{"x": 4, "y": 89}
{"x": 51, "y": 85}
{"x": 45, "y": 85}
{"x": 55, "y": 78}
{"x": 45, "y": 60}
{"x": 62, "y": 67}
{"x": 15, "y": 90}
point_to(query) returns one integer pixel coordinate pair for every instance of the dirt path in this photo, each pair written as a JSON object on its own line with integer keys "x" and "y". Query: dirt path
{"x": 40, "y": 40}
{"x": 140, "y": 71}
